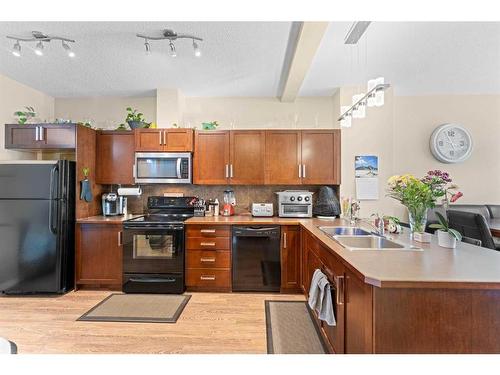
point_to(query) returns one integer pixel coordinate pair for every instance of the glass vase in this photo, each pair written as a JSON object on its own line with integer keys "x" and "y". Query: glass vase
{"x": 418, "y": 218}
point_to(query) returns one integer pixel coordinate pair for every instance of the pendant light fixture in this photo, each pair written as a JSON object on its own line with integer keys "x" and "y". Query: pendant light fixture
{"x": 172, "y": 37}
{"x": 40, "y": 38}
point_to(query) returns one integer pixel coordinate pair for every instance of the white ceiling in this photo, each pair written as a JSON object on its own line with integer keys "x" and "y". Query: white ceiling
{"x": 417, "y": 58}
{"x": 239, "y": 58}
{"x": 246, "y": 58}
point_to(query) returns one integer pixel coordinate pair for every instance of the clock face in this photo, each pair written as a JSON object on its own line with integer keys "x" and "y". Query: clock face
{"x": 451, "y": 143}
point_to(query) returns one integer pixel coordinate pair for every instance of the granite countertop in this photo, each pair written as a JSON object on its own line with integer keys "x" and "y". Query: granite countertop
{"x": 467, "y": 266}
{"x": 100, "y": 219}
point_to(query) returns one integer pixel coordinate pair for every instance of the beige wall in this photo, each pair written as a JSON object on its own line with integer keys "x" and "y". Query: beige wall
{"x": 14, "y": 96}
{"x": 262, "y": 112}
{"x": 104, "y": 112}
{"x": 415, "y": 119}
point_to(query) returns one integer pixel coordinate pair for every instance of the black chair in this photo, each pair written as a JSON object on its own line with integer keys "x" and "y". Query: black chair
{"x": 471, "y": 241}
{"x": 494, "y": 210}
{"x": 474, "y": 208}
{"x": 472, "y": 225}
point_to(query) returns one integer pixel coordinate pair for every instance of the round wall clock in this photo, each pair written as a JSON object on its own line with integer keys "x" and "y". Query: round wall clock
{"x": 451, "y": 143}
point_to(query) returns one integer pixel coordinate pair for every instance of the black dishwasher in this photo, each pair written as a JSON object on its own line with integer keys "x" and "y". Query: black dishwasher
{"x": 256, "y": 258}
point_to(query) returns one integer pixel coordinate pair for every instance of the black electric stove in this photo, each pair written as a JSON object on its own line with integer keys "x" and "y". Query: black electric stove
{"x": 153, "y": 246}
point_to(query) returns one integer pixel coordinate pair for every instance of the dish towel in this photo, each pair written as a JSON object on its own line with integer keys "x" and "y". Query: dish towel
{"x": 320, "y": 298}
{"x": 86, "y": 190}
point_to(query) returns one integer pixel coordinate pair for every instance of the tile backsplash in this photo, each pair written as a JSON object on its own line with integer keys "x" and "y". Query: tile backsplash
{"x": 245, "y": 195}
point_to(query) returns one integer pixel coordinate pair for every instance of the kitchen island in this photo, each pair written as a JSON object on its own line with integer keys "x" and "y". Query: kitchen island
{"x": 436, "y": 300}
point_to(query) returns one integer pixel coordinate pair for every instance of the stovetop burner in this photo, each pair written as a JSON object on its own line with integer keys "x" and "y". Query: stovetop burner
{"x": 165, "y": 211}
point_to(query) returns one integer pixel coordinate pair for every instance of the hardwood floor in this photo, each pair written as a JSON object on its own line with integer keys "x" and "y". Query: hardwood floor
{"x": 211, "y": 323}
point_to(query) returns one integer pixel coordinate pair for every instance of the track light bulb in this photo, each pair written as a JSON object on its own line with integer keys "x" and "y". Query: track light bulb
{"x": 197, "y": 51}
{"x": 148, "y": 47}
{"x": 68, "y": 49}
{"x": 16, "y": 50}
{"x": 39, "y": 49}
{"x": 173, "y": 53}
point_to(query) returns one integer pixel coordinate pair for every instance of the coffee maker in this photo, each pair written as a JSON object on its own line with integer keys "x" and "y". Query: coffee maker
{"x": 113, "y": 204}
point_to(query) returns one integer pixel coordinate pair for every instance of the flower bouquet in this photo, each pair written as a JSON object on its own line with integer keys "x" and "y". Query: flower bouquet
{"x": 418, "y": 195}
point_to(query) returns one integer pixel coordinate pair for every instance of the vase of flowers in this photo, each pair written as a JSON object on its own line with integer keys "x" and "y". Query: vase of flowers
{"x": 420, "y": 194}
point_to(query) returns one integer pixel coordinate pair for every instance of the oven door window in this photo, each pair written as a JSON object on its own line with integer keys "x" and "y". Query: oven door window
{"x": 157, "y": 168}
{"x": 295, "y": 209}
{"x": 153, "y": 246}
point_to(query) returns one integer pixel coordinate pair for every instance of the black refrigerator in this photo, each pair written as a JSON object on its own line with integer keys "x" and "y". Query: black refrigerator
{"x": 37, "y": 221}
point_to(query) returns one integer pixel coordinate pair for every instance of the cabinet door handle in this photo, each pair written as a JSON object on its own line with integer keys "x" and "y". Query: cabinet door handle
{"x": 165, "y": 138}
{"x": 340, "y": 290}
{"x": 231, "y": 170}
{"x": 303, "y": 171}
{"x": 37, "y": 138}
{"x": 160, "y": 135}
{"x": 120, "y": 241}
{"x": 207, "y": 243}
{"x": 207, "y": 231}
{"x": 284, "y": 240}
{"x": 210, "y": 278}
{"x": 300, "y": 171}
{"x": 227, "y": 170}
{"x": 207, "y": 260}
{"x": 40, "y": 132}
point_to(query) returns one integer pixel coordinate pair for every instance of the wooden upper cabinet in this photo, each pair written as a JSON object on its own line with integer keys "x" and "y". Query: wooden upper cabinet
{"x": 283, "y": 157}
{"x": 321, "y": 157}
{"x": 148, "y": 140}
{"x": 178, "y": 140}
{"x": 40, "y": 136}
{"x": 211, "y": 157}
{"x": 115, "y": 157}
{"x": 247, "y": 157}
{"x": 168, "y": 140}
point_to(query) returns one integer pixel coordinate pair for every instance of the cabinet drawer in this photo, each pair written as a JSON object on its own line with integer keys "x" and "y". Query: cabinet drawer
{"x": 219, "y": 243}
{"x": 208, "y": 231}
{"x": 209, "y": 278}
{"x": 208, "y": 259}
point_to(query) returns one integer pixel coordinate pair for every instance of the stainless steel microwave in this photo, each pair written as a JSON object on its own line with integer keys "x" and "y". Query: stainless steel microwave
{"x": 162, "y": 168}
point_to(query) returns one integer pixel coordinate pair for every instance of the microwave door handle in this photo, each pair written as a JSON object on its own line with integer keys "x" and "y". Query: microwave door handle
{"x": 179, "y": 168}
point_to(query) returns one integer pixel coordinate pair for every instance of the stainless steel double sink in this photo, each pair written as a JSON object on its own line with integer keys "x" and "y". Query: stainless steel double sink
{"x": 353, "y": 238}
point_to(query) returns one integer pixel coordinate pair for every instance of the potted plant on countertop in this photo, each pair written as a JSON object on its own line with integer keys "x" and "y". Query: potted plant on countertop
{"x": 447, "y": 237}
{"x": 418, "y": 195}
{"x": 135, "y": 119}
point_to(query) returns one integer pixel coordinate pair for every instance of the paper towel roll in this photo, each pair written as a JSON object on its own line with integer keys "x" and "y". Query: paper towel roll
{"x": 130, "y": 191}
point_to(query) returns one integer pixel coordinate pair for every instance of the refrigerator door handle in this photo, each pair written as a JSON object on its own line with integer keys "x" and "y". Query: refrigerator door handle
{"x": 52, "y": 228}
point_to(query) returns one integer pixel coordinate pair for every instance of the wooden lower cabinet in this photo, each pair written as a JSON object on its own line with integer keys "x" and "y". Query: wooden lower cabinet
{"x": 290, "y": 259}
{"x": 99, "y": 255}
{"x": 208, "y": 258}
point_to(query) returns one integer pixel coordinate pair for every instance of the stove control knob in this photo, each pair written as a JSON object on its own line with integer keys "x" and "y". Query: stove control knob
{"x": 307, "y": 199}
{"x": 292, "y": 199}
{"x": 299, "y": 199}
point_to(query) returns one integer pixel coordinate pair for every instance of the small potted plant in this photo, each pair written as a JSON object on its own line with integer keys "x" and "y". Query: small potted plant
{"x": 135, "y": 119}
{"x": 447, "y": 237}
{"x": 212, "y": 125}
{"x": 24, "y": 116}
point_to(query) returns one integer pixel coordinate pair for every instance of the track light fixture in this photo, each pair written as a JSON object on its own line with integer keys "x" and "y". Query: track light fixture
{"x": 173, "y": 53}
{"x": 148, "y": 47}
{"x": 16, "y": 50}
{"x": 40, "y": 38}
{"x": 39, "y": 49}
{"x": 196, "y": 48}
{"x": 171, "y": 36}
